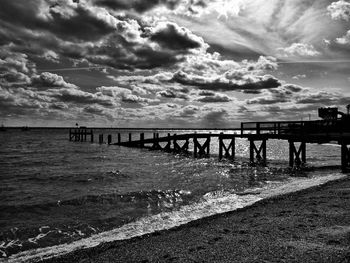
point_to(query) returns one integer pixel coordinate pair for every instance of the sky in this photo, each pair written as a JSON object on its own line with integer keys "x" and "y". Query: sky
{"x": 171, "y": 63}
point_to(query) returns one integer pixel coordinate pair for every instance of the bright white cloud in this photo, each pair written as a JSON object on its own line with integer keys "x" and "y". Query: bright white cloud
{"x": 339, "y": 10}
{"x": 300, "y": 50}
{"x": 344, "y": 40}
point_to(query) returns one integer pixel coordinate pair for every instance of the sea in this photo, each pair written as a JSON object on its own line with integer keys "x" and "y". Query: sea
{"x": 57, "y": 196}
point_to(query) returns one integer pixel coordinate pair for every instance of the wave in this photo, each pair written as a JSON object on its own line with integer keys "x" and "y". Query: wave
{"x": 111, "y": 198}
{"x": 212, "y": 204}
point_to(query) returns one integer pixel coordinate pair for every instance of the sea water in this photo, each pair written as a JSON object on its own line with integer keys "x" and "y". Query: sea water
{"x": 57, "y": 195}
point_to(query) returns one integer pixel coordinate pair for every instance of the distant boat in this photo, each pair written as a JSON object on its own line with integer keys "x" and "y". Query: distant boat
{"x": 25, "y": 128}
{"x": 2, "y": 128}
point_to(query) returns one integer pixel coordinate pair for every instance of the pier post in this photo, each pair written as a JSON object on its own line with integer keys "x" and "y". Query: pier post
{"x": 259, "y": 154}
{"x": 130, "y": 137}
{"x": 208, "y": 145}
{"x": 85, "y": 135}
{"x": 156, "y": 145}
{"x": 223, "y": 147}
{"x": 100, "y": 138}
{"x": 91, "y": 136}
{"x": 220, "y": 145}
{"x": 297, "y": 157}
{"x": 109, "y": 139}
{"x": 195, "y": 146}
{"x": 167, "y": 148}
{"x": 119, "y": 138}
{"x": 181, "y": 149}
{"x": 142, "y": 138}
{"x": 345, "y": 157}
{"x": 199, "y": 149}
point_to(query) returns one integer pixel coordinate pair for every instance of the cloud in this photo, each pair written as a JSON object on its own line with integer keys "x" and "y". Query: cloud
{"x": 48, "y": 80}
{"x": 172, "y": 94}
{"x": 216, "y": 98}
{"x": 215, "y": 118}
{"x": 344, "y": 40}
{"x": 187, "y": 112}
{"x": 300, "y": 76}
{"x": 227, "y": 82}
{"x": 136, "y": 5}
{"x": 52, "y": 56}
{"x": 171, "y": 36}
{"x": 282, "y": 94}
{"x": 323, "y": 98}
{"x": 339, "y": 10}
{"x": 65, "y": 19}
{"x": 15, "y": 68}
{"x": 82, "y": 31}
{"x": 299, "y": 49}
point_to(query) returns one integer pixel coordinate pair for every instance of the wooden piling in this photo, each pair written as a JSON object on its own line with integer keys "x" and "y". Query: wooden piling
{"x": 167, "y": 147}
{"x": 91, "y": 136}
{"x": 142, "y": 138}
{"x": 345, "y": 157}
{"x": 119, "y": 138}
{"x": 100, "y": 138}
{"x": 130, "y": 137}
{"x": 195, "y": 146}
{"x": 229, "y": 150}
{"x": 251, "y": 151}
{"x": 199, "y": 149}
{"x": 297, "y": 157}
{"x": 260, "y": 153}
{"x": 220, "y": 145}
{"x": 109, "y": 139}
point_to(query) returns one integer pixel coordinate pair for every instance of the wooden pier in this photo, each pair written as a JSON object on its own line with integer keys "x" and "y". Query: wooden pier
{"x": 297, "y": 133}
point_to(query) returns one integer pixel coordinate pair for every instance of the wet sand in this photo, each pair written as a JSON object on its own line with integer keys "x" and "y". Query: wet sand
{"x": 311, "y": 225}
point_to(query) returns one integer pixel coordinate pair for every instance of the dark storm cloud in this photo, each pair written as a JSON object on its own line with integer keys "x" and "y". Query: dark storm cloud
{"x": 223, "y": 83}
{"x": 174, "y": 37}
{"x": 267, "y": 100}
{"x": 82, "y": 31}
{"x": 214, "y": 98}
{"x": 137, "y": 5}
{"x": 67, "y": 22}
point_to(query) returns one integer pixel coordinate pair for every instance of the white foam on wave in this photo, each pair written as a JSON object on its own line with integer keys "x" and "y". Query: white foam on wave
{"x": 211, "y": 204}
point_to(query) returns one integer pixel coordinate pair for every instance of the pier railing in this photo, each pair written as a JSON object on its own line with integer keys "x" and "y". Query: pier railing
{"x": 295, "y": 127}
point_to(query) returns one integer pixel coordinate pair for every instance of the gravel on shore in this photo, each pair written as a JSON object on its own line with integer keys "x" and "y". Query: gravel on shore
{"x": 311, "y": 225}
